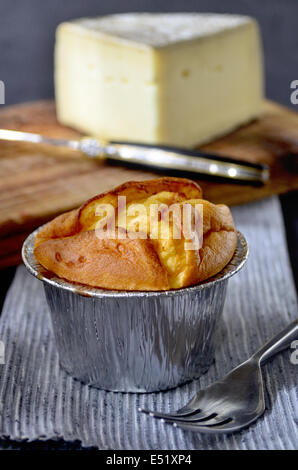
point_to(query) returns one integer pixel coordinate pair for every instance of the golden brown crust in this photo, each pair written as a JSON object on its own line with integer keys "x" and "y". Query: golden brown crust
{"x": 106, "y": 263}
{"x": 220, "y": 240}
{"x": 70, "y": 247}
{"x": 64, "y": 225}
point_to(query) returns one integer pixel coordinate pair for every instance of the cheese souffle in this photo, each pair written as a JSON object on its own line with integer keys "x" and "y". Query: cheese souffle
{"x": 128, "y": 254}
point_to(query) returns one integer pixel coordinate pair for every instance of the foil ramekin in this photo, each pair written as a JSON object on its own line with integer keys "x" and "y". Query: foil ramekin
{"x": 135, "y": 341}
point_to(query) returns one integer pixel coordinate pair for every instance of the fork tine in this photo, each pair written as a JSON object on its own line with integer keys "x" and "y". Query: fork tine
{"x": 202, "y": 417}
{"x": 157, "y": 414}
{"x": 203, "y": 428}
{"x": 215, "y": 420}
{"x": 195, "y": 404}
{"x": 193, "y": 418}
{"x": 185, "y": 411}
{"x": 165, "y": 416}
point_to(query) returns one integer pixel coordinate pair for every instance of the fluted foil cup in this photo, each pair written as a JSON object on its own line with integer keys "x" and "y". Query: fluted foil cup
{"x": 135, "y": 341}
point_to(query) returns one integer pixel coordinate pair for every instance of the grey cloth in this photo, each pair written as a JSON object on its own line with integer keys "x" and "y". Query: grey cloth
{"x": 38, "y": 400}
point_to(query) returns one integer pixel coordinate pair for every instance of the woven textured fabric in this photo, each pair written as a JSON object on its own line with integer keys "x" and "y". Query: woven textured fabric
{"x": 38, "y": 400}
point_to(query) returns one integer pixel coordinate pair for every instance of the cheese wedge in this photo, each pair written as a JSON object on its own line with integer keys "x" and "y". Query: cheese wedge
{"x": 176, "y": 78}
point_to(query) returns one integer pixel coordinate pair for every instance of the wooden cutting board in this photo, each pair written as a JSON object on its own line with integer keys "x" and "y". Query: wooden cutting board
{"x": 38, "y": 182}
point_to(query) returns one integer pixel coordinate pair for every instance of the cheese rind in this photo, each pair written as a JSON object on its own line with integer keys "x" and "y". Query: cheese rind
{"x": 179, "y": 79}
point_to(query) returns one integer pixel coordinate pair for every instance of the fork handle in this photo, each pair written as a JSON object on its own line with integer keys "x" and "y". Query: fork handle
{"x": 278, "y": 343}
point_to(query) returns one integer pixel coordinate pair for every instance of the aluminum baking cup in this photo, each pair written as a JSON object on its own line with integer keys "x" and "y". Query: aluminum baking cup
{"x": 135, "y": 341}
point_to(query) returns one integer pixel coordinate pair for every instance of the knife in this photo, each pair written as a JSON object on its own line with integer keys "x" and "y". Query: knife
{"x": 159, "y": 157}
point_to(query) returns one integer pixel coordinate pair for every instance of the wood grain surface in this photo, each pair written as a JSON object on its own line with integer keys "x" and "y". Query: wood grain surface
{"x": 39, "y": 182}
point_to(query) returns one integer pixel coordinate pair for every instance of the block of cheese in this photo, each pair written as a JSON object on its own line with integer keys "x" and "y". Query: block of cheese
{"x": 173, "y": 78}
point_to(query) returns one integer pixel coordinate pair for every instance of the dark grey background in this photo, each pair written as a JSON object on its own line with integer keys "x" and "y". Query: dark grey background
{"x": 27, "y": 29}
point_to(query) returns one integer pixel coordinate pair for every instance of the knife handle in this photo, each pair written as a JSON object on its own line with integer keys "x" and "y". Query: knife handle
{"x": 193, "y": 162}
{"x": 197, "y": 153}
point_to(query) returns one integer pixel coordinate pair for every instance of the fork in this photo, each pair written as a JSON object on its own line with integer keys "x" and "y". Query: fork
{"x": 235, "y": 401}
